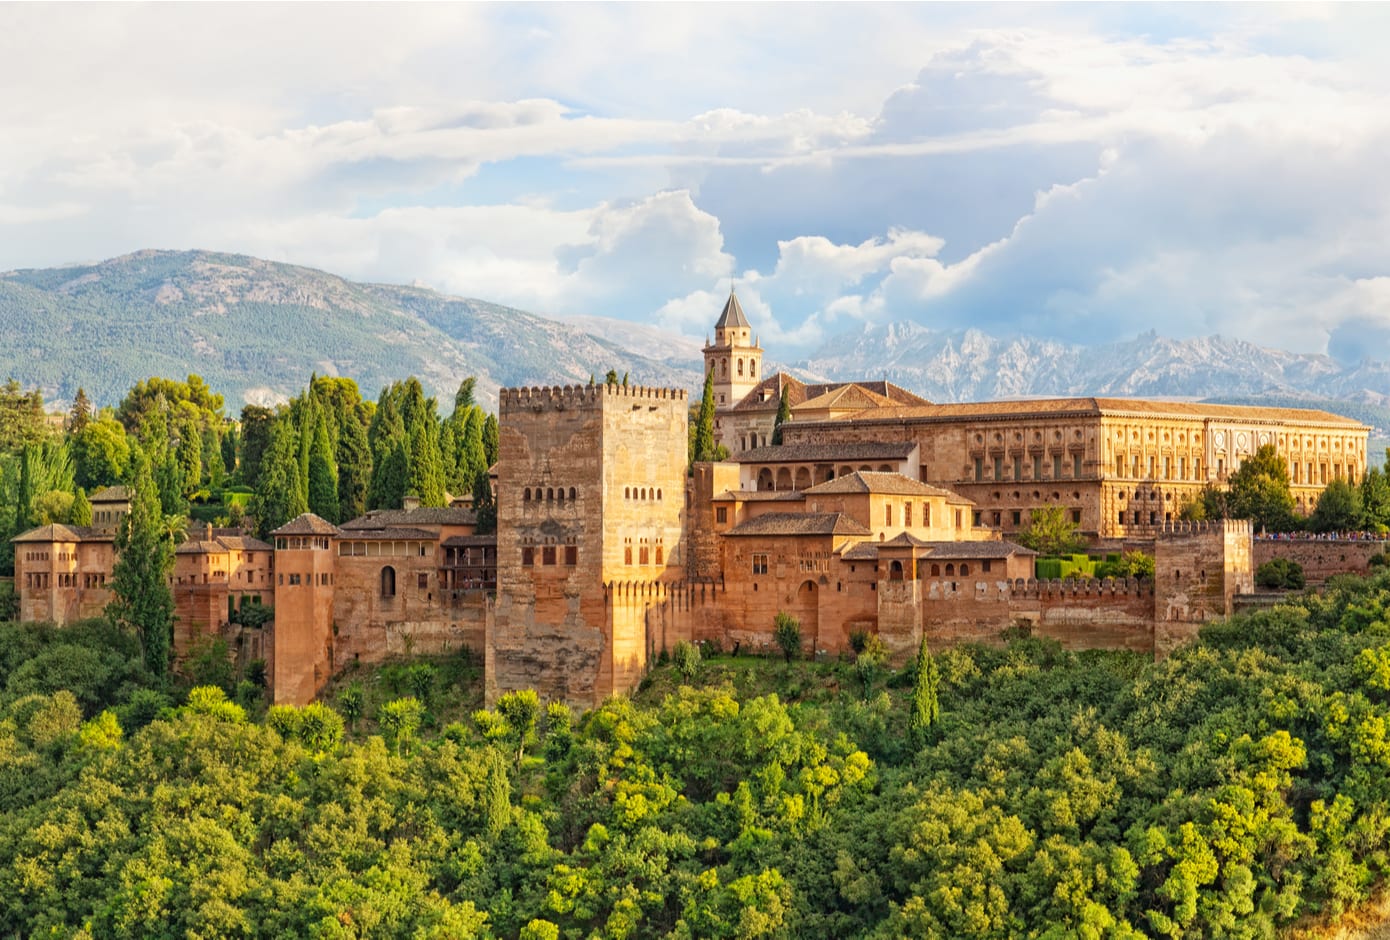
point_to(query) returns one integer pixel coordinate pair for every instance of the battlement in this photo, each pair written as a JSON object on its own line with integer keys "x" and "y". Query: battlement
{"x": 1054, "y": 589}
{"x": 1236, "y": 527}
{"x": 560, "y": 397}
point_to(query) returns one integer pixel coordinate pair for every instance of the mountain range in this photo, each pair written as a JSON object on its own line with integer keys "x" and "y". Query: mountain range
{"x": 255, "y": 330}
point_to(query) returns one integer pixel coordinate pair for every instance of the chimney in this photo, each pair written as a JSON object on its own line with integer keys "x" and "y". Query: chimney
{"x": 410, "y": 503}
{"x": 207, "y": 532}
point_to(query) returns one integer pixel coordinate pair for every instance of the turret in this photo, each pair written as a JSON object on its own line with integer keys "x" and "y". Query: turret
{"x": 734, "y": 357}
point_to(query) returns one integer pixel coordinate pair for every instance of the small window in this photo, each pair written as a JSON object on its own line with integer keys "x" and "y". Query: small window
{"x": 295, "y": 579}
{"x": 642, "y": 556}
{"x": 571, "y": 555}
{"x": 721, "y": 514}
{"x": 1076, "y": 516}
{"x": 658, "y": 555}
{"x": 422, "y": 580}
{"x": 964, "y": 569}
{"x": 984, "y": 565}
{"x": 528, "y": 557}
{"x": 388, "y": 581}
{"x": 627, "y": 555}
{"x": 760, "y": 564}
{"x": 571, "y": 494}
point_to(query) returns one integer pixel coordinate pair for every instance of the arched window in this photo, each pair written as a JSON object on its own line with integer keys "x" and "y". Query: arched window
{"x": 964, "y": 569}
{"x": 740, "y": 368}
{"x": 643, "y": 493}
{"x": 627, "y": 493}
{"x": 550, "y": 495}
{"x": 658, "y": 494}
{"x": 895, "y": 571}
{"x": 388, "y": 581}
{"x": 950, "y": 570}
{"x": 753, "y": 368}
{"x": 936, "y": 571}
{"x": 724, "y": 367}
{"x": 526, "y": 495}
{"x": 560, "y": 496}
{"x": 571, "y": 494}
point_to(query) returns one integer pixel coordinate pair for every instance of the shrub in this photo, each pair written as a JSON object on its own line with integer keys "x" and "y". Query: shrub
{"x": 1281, "y": 574}
{"x": 786, "y": 633}
{"x": 686, "y": 658}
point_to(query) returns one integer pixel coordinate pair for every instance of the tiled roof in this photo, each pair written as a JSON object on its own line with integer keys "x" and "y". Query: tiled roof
{"x": 307, "y": 524}
{"x": 828, "y": 453}
{"x": 863, "y": 481}
{"x": 845, "y": 397}
{"x": 759, "y": 496}
{"x": 767, "y": 394}
{"x": 386, "y": 533}
{"x": 110, "y": 494}
{"x": 469, "y": 541}
{"x": 221, "y": 543}
{"x": 860, "y": 551}
{"x": 947, "y": 550}
{"x": 800, "y": 523}
{"x": 1095, "y": 407}
{"x": 64, "y": 533}
{"x": 732, "y": 317}
{"x": 424, "y": 515}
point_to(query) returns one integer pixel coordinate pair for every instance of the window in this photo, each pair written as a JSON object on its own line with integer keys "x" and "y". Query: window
{"x": 1017, "y": 517}
{"x": 1018, "y": 468}
{"x": 528, "y": 556}
{"x": 1076, "y": 516}
{"x": 907, "y": 514}
{"x": 1076, "y": 466}
{"x": 571, "y": 555}
{"x": 721, "y": 514}
{"x": 759, "y": 564}
{"x": 422, "y": 580}
{"x": 294, "y": 579}
{"x": 642, "y": 557}
{"x": 984, "y": 565}
{"x": 658, "y": 555}
{"x": 964, "y": 568}
{"x": 388, "y": 581}
{"x": 1056, "y": 466}
{"x": 979, "y": 468}
{"x": 999, "y": 468}
{"x": 888, "y": 515}
{"x": 548, "y": 555}
{"x": 957, "y": 518}
{"x": 627, "y": 554}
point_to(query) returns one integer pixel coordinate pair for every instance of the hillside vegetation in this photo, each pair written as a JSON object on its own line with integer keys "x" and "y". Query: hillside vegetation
{"x": 255, "y": 328}
{"x": 1236, "y": 789}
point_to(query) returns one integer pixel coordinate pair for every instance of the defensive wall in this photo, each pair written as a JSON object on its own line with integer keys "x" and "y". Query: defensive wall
{"x": 1321, "y": 558}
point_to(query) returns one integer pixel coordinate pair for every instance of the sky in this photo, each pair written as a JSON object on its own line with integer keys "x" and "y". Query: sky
{"x": 1076, "y": 172}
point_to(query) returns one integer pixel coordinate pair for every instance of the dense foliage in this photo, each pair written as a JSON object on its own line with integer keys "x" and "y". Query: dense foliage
{"x": 1015, "y": 791}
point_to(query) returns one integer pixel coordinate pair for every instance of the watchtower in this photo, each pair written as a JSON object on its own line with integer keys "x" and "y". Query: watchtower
{"x": 302, "y": 660}
{"x": 590, "y": 497}
{"x": 734, "y": 358}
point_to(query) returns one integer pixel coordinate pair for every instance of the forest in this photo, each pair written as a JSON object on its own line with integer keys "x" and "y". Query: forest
{"x": 1238, "y": 788}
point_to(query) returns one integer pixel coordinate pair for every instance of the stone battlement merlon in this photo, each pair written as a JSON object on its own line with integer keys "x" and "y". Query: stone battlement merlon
{"x": 1177, "y": 527}
{"x": 578, "y": 396}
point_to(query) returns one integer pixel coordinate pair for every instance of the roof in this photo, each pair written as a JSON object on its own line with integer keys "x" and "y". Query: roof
{"x": 221, "y": 543}
{"x": 864, "y": 481}
{"x": 758, "y": 496}
{"x": 828, "y": 453}
{"x": 846, "y": 397}
{"x": 56, "y": 532}
{"x": 307, "y": 523}
{"x": 423, "y": 515}
{"x": 470, "y": 541}
{"x": 1050, "y": 407}
{"x": 800, "y": 523}
{"x": 732, "y": 317}
{"x": 941, "y": 551}
{"x": 767, "y": 394}
{"x": 386, "y": 533}
{"x": 110, "y": 494}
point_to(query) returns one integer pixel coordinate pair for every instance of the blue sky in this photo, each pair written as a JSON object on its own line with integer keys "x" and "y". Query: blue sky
{"x": 1080, "y": 172}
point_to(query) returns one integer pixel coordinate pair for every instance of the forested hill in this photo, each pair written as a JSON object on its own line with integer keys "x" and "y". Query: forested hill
{"x": 256, "y": 329}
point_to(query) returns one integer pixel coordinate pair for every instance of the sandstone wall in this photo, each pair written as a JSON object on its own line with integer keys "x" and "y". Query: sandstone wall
{"x": 1320, "y": 558}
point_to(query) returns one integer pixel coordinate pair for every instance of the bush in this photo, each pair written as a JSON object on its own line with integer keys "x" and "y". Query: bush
{"x": 686, "y": 658}
{"x": 786, "y": 633}
{"x": 1280, "y": 574}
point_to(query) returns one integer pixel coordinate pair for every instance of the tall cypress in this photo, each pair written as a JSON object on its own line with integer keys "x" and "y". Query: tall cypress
{"x": 926, "y": 707}
{"x": 354, "y": 458}
{"x": 279, "y": 495}
{"x": 141, "y": 599}
{"x": 490, "y": 439}
{"x": 323, "y": 474}
{"x": 784, "y": 414}
{"x": 426, "y": 471}
{"x": 484, "y": 505}
{"x": 473, "y": 462}
{"x": 81, "y": 512}
{"x": 702, "y": 446}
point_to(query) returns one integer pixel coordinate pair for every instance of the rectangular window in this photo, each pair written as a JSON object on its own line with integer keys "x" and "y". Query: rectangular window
{"x": 907, "y": 514}
{"x": 985, "y": 565}
{"x": 1151, "y": 467}
{"x": 294, "y": 579}
{"x": 1076, "y": 466}
{"x": 627, "y": 554}
{"x": 548, "y": 555}
{"x": 643, "y": 557}
{"x": 1056, "y": 466}
{"x": 1076, "y": 516}
{"x": 1017, "y": 517}
{"x": 721, "y": 514}
{"x": 528, "y": 556}
{"x": 926, "y": 514}
{"x": 1167, "y": 468}
{"x": 422, "y": 580}
{"x": 1018, "y": 468}
{"x": 979, "y": 468}
{"x": 1182, "y": 468}
{"x": 957, "y": 518}
{"x": 571, "y": 555}
{"x": 759, "y": 564}
{"x": 1037, "y": 466}
{"x": 1121, "y": 520}
{"x": 888, "y": 515}
{"x": 999, "y": 468}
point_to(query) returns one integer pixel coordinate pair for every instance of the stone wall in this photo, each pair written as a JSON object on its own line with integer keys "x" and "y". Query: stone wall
{"x": 1321, "y": 558}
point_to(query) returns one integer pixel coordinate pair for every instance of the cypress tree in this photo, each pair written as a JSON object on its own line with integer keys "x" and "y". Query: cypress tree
{"x": 426, "y": 470}
{"x": 354, "y": 466}
{"x": 81, "y": 412}
{"x": 256, "y": 423}
{"x": 448, "y": 455}
{"x": 81, "y": 512}
{"x": 141, "y": 600}
{"x": 190, "y": 456}
{"x": 490, "y": 440}
{"x": 784, "y": 414}
{"x": 390, "y": 479}
{"x": 926, "y": 708}
{"x": 463, "y": 398}
{"x": 474, "y": 462}
{"x": 323, "y": 475}
{"x": 484, "y": 505}
{"x": 702, "y": 447}
{"x": 279, "y": 495}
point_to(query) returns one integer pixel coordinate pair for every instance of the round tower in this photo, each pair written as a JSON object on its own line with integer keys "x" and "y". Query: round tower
{"x": 734, "y": 358}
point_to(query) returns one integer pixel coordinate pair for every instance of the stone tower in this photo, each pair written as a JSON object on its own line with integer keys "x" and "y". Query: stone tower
{"x": 1200, "y": 568}
{"x": 590, "y": 497}
{"x": 734, "y": 357}
{"x": 302, "y": 659}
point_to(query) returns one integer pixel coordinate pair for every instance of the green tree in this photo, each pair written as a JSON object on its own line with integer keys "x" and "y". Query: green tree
{"x": 702, "y": 443}
{"x": 279, "y": 497}
{"x": 1375, "y": 498}
{"x": 784, "y": 414}
{"x": 926, "y": 707}
{"x": 80, "y": 413}
{"x": 323, "y": 474}
{"x": 81, "y": 512}
{"x": 1259, "y": 490}
{"x": 256, "y": 423}
{"x": 101, "y": 452}
{"x": 491, "y": 437}
{"x": 786, "y": 633}
{"x": 22, "y": 420}
{"x": 1050, "y": 531}
{"x": 1280, "y": 573}
{"x": 1339, "y": 508}
{"x": 354, "y": 459}
{"x": 141, "y": 601}
{"x": 484, "y": 506}
{"x": 463, "y": 398}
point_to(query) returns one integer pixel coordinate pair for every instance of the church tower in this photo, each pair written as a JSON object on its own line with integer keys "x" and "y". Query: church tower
{"x": 734, "y": 357}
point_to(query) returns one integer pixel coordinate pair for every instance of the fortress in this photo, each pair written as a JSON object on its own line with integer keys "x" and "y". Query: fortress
{"x": 880, "y": 513}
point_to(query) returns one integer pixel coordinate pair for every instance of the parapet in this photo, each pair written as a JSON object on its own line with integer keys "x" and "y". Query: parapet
{"x": 1180, "y": 528}
{"x": 560, "y": 397}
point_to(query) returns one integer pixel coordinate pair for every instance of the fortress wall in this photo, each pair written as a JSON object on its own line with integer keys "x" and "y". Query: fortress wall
{"x": 1321, "y": 558}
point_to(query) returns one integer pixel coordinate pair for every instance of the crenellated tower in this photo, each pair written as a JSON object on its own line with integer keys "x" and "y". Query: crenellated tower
{"x": 734, "y": 358}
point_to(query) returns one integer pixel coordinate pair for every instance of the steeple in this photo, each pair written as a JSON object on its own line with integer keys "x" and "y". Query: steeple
{"x": 734, "y": 357}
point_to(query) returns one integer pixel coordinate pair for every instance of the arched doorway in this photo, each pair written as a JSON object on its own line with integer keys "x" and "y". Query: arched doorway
{"x": 806, "y": 608}
{"x": 803, "y": 478}
{"x": 765, "y": 479}
{"x": 784, "y": 479}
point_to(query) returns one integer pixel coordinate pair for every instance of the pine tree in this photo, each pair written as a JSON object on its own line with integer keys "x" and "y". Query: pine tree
{"x": 323, "y": 475}
{"x": 81, "y": 412}
{"x": 702, "y": 447}
{"x": 784, "y": 414}
{"x": 141, "y": 600}
{"x": 926, "y": 708}
{"x": 81, "y": 512}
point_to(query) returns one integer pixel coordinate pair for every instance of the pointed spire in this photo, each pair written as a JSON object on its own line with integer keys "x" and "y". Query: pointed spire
{"x": 732, "y": 317}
